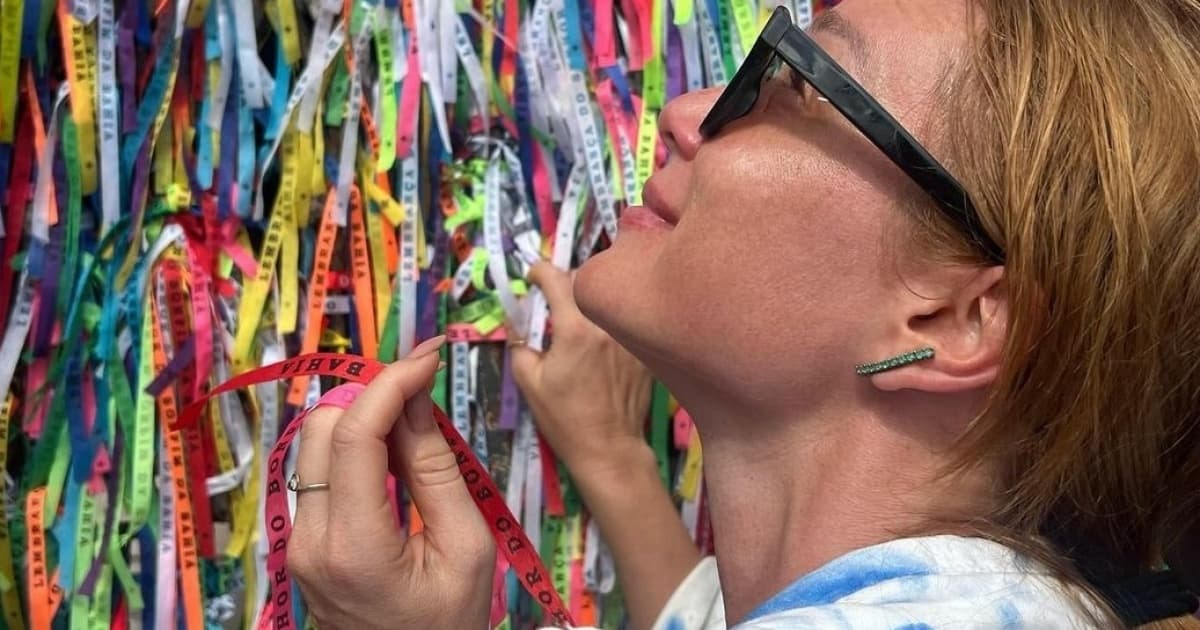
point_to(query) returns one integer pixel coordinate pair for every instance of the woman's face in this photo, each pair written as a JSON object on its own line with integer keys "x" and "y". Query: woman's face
{"x": 776, "y": 250}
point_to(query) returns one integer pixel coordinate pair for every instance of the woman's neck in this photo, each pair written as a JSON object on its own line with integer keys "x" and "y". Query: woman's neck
{"x": 790, "y": 495}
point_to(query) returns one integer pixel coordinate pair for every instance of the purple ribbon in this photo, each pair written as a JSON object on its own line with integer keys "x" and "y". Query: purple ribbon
{"x": 174, "y": 368}
{"x": 127, "y": 68}
{"x": 510, "y": 398}
{"x": 676, "y": 79}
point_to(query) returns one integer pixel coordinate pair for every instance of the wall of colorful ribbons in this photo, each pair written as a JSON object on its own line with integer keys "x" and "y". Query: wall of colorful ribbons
{"x": 194, "y": 188}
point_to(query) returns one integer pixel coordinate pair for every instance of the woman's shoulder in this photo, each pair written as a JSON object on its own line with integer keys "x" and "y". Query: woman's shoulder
{"x": 924, "y": 583}
{"x": 927, "y": 582}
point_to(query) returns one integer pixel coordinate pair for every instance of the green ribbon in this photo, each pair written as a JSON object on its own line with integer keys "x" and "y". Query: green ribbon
{"x": 338, "y": 93}
{"x": 660, "y": 425}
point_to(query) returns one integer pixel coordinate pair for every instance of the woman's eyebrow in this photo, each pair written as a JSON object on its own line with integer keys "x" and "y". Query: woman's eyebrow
{"x": 833, "y": 23}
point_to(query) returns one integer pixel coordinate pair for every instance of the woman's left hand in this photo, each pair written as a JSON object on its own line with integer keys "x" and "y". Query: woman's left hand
{"x": 355, "y": 566}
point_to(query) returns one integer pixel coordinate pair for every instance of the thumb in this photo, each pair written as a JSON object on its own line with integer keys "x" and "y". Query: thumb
{"x": 557, "y": 285}
{"x": 358, "y": 460}
{"x": 431, "y": 474}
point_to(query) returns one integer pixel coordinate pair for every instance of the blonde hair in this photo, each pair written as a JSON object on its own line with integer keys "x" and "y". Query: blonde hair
{"x": 1076, "y": 128}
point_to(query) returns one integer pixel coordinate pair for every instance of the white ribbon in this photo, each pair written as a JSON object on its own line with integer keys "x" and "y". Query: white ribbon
{"x": 407, "y": 278}
{"x": 564, "y": 243}
{"x": 107, "y": 97}
{"x": 249, "y": 65}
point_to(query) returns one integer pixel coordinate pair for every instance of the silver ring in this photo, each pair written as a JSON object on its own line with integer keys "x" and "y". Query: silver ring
{"x": 293, "y": 484}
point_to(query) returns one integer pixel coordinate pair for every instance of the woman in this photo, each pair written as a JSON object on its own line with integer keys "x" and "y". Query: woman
{"x": 952, "y": 392}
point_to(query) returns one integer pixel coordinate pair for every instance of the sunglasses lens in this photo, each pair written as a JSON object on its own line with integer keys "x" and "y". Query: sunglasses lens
{"x": 742, "y": 92}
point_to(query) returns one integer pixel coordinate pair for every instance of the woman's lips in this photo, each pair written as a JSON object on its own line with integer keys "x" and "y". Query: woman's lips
{"x": 655, "y": 203}
{"x": 643, "y": 218}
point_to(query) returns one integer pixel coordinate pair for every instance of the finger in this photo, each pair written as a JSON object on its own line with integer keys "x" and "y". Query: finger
{"x": 359, "y": 447}
{"x": 312, "y": 466}
{"x": 557, "y": 286}
{"x": 433, "y": 479}
{"x": 526, "y": 366}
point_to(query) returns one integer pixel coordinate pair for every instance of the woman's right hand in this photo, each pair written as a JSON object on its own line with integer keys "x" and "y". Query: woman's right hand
{"x": 590, "y": 399}
{"x": 588, "y": 395}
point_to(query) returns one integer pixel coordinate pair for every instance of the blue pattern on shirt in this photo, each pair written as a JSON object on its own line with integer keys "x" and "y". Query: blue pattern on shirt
{"x": 1010, "y": 616}
{"x": 844, "y": 576}
{"x": 926, "y": 583}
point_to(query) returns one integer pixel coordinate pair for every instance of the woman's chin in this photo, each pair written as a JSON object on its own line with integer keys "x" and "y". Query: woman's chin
{"x": 592, "y": 283}
{"x": 607, "y": 289}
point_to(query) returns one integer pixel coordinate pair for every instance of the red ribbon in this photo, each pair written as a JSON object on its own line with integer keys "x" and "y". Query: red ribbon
{"x": 510, "y": 538}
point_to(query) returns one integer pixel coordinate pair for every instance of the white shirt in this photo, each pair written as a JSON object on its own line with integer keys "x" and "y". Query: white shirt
{"x": 929, "y": 583}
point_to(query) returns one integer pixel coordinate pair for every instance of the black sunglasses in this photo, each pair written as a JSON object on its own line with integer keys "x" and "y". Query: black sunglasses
{"x": 783, "y": 40}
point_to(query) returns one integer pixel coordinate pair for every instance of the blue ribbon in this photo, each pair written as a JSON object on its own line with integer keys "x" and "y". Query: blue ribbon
{"x": 147, "y": 577}
{"x": 143, "y": 32}
{"x": 83, "y": 449}
{"x": 227, "y": 166}
{"x": 204, "y": 165}
{"x": 245, "y": 159}
{"x": 151, "y": 101}
{"x": 588, "y": 20}
{"x": 575, "y": 56}
{"x": 5, "y": 159}
{"x": 29, "y": 28}
{"x": 107, "y": 332}
{"x": 283, "y": 79}
{"x": 64, "y": 532}
{"x": 48, "y": 291}
{"x": 622, "y": 86}
{"x": 212, "y": 35}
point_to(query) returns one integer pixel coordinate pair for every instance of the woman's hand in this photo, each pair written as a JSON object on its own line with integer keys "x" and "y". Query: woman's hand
{"x": 589, "y": 396}
{"x": 356, "y": 568}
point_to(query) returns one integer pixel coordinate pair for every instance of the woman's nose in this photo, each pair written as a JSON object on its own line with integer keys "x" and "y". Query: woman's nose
{"x": 679, "y": 122}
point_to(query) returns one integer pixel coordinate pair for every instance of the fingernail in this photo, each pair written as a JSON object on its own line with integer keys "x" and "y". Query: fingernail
{"x": 441, "y": 365}
{"x": 418, "y": 411}
{"x": 427, "y": 347}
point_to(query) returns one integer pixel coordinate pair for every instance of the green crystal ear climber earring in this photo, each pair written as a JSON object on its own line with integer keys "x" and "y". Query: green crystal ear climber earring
{"x": 907, "y": 358}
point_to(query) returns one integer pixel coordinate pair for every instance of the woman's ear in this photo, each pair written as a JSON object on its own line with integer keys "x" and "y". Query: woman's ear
{"x": 965, "y": 325}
